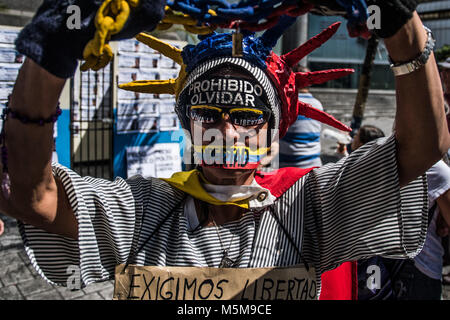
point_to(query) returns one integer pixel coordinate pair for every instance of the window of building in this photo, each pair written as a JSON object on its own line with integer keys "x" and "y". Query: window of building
{"x": 341, "y": 51}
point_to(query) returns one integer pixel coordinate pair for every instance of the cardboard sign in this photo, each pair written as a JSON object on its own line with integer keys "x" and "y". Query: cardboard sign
{"x": 193, "y": 283}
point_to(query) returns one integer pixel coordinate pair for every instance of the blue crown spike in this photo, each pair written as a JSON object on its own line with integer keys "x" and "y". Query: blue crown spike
{"x": 243, "y": 14}
{"x": 220, "y": 3}
{"x": 221, "y": 45}
{"x": 271, "y": 36}
{"x": 205, "y": 36}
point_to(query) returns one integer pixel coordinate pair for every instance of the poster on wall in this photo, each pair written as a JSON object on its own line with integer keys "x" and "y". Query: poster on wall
{"x": 137, "y": 123}
{"x": 91, "y": 97}
{"x": 169, "y": 123}
{"x": 10, "y": 63}
{"x": 139, "y": 62}
{"x": 160, "y": 160}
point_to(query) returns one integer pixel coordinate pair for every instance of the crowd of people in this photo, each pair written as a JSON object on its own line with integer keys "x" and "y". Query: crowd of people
{"x": 387, "y": 198}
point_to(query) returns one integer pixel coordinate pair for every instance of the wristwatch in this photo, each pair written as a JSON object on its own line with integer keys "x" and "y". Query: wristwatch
{"x": 400, "y": 69}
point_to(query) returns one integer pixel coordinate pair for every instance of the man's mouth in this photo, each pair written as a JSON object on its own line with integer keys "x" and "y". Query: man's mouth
{"x": 235, "y": 157}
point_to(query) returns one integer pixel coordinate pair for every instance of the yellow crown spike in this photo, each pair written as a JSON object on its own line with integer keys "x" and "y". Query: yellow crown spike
{"x": 151, "y": 86}
{"x": 164, "y": 48}
{"x": 170, "y": 86}
{"x": 199, "y": 30}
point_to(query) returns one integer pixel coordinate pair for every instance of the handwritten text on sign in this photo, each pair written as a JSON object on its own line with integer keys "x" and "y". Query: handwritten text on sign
{"x": 191, "y": 283}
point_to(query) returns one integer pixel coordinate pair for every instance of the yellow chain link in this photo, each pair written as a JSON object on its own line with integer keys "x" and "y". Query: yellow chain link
{"x": 110, "y": 19}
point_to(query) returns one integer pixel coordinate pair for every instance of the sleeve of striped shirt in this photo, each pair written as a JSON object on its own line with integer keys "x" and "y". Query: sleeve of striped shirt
{"x": 108, "y": 214}
{"x": 355, "y": 209}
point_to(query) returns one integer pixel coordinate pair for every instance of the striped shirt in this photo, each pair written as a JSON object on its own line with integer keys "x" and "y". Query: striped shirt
{"x": 300, "y": 147}
{"x": 341, "y": 212}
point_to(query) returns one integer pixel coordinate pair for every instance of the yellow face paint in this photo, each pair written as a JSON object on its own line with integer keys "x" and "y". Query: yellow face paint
{"x": 257, "y": 111}
{"x": 235, "y": 157}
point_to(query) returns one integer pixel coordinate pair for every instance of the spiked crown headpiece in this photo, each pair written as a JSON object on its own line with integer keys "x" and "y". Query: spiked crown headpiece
{"x": 273, "y": 72}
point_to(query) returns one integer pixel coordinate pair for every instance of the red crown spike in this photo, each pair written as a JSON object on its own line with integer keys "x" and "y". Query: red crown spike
{"x": 293, "y": 57}
{"x": 306, "y": 79}
{"x": 288, "y": 83}
{"x": 319, "y": 115}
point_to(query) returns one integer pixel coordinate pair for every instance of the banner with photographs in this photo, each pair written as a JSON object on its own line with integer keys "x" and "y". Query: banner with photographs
{"x": 92, "y": 97}
{"x": 145, "y": 113}
{"x": 10, "y": 63}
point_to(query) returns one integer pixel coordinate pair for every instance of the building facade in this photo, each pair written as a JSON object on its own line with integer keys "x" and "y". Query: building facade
{"x": 17, "y": 13}
{"x": 436, "y": 16}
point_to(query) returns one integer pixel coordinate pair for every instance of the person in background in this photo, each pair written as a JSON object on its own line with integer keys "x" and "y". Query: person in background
{"x": 444, "y": 70}
{"x": 301, "y": 145}
{"x": 365, "y": 134}
{"x": 2, "y": 227}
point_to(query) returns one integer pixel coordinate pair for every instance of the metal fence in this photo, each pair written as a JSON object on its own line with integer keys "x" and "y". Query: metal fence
{"x": 92, "y": 123}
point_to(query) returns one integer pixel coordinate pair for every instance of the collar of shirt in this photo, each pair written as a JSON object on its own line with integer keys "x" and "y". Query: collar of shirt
{"x": 256, "y": 196}
{"x": 248, "y": 197}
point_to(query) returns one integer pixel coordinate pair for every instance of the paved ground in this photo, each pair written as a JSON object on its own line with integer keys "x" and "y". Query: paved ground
{"x": 19, "y": 280}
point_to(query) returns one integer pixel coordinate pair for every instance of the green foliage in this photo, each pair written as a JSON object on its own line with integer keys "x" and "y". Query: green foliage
{"x": 443, "y": 53}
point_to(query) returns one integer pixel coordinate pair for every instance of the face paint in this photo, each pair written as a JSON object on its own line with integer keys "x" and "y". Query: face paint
{"x": 242, "y": 117}
{"x": 235, "y": 157}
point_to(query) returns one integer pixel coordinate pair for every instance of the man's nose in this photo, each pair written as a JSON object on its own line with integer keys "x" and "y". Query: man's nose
{"x": 228, "y": 129}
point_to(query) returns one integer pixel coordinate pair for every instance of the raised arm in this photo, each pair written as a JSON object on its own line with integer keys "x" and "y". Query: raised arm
{"x": 421, "y": 128}
{"x": 36, "y": 197}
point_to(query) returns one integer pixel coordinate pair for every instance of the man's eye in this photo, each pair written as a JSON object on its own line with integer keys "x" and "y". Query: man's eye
{"x": 204, "y": 116}
{"x": 246, "y": 119}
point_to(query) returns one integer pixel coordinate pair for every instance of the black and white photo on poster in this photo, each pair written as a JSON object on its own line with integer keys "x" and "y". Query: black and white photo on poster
{"x": 159, "y": 160}
{"x": 145, "y": 108}
{"x": 169, "y": 123}
{"x": 137, "y": 124}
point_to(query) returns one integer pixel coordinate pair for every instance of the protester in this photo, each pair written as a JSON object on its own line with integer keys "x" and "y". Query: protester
{"x": 365, "y": 134}
{"x": 225, "y": 214}
{"x": 300, "y": 147}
